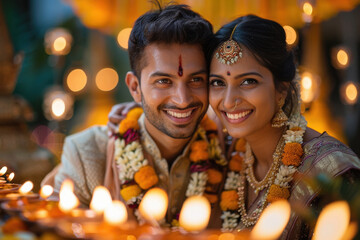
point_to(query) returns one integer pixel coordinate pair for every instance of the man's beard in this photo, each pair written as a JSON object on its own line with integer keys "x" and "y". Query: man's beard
{"x": 157, "y": 122}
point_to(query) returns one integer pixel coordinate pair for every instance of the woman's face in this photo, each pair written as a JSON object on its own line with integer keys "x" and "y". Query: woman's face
{"x": 251, "y": 85}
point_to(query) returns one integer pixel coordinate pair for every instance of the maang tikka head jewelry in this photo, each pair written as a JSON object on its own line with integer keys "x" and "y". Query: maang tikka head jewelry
{"x": 229, "y": 51}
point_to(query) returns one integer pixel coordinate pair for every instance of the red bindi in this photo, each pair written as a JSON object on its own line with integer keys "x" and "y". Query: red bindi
{"x": 180, "y": 70}
{"x": 228, "y": 73}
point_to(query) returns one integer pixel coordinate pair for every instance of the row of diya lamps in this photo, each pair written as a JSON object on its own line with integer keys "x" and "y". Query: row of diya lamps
{"x": 108, "y": 219}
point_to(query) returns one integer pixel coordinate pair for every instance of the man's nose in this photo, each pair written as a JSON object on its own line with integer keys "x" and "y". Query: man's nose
{"x": 183, "y": 96}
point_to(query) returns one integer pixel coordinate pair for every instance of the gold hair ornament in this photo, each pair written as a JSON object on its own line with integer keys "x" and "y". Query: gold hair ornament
{"x": 229, "y": 52}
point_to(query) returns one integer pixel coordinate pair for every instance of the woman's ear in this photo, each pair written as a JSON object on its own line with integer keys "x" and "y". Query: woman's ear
{"x": 283, "y": 91}
{"x": 133, "y": 85}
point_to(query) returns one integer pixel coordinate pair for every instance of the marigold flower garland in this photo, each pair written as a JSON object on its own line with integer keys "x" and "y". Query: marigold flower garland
{"x": 232, "y": 198}
{"x": 136, "y": 176}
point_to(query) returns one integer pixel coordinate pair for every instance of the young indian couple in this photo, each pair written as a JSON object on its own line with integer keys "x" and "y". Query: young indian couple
{"x": 248, "y": 75}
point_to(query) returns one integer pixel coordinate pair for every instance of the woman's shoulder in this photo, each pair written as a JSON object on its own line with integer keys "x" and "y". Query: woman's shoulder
{"x": 325, "y": 153}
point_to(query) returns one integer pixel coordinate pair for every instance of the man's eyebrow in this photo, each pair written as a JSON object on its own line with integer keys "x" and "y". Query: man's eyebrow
{"x": 198, "y": 72}
{"x": 161, "y": 74}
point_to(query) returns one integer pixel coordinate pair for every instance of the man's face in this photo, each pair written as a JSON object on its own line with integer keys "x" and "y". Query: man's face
{"x": 174, "y": 88}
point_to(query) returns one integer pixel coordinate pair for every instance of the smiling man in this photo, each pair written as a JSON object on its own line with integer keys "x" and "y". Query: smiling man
{"x": 169, "y": 77}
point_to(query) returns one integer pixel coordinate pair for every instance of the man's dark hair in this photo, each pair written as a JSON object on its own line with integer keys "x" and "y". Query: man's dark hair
{"x": 172, "y": 24}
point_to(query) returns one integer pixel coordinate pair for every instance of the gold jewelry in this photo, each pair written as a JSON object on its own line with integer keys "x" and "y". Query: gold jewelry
{"x": 280, "y": 118}
{"x": 251, "y": 219}
{"x": 270, "y": 175}
{"x": 229, "y": 51}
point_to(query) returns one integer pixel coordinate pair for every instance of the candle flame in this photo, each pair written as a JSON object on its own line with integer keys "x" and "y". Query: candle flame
{"x": 272, "y": 221}
{"x": 333, "y": 221}
{"x": 100, "y": 200}
{"x": 68, "y": 200}
{"x": 154, "y": 204}
{"x": 46, "y": 191}
{"x": 26, "y": 187}
{"x": 3, "y": 170}
{"x": 115, "y": 213}
{"x": 195, "y": 213}
{"x": 11, "y": 177}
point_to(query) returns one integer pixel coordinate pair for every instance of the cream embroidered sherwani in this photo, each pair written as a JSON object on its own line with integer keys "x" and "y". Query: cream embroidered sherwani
{"x": 84, "y": 160}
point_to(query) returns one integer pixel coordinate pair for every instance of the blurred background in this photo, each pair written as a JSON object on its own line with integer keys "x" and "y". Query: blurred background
{"x": 63, "y": 63}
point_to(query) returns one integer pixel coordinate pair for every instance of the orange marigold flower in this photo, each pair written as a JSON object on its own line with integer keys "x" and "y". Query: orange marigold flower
{"x": 213, "y": 198}
{"x": 205, "y": 118}
{"x": 134, "y": 113}
{"x": 276, "y": 193}
{"x": 199, "y": 145}
{"x": 293, "y": 148}
{"x": 229, "y": 200}
{"x": 240, "y": 145}
{"x": 209, "y": 125}
{"x": 291, "y": 159}
{"x": 128, "y": 123}
{"x": 236, "y": 163}
{"x": 197, "y": 156}
{"x": 146, "y": 177}
{"x": 214, "y": 176}
{"x": 129, "y": 192}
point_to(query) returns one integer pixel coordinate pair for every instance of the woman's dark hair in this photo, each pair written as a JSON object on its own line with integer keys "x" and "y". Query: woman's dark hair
{"x": 172, "y": 24}
{"x": 266, "y": 40}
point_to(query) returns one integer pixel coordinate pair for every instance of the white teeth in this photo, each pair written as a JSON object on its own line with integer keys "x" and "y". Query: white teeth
{"x": 238, "y": 115}
{"x": 179, "y": 115}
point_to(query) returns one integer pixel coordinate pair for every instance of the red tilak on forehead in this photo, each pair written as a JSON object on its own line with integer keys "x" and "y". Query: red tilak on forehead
{"x": 180, "y": 70}
{"x": 228, "y": 73}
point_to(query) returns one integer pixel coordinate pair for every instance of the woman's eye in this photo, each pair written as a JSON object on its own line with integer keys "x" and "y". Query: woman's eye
{"x": 249, "y": 81}
{"x": 217, "y": 83}
{"x": 197, "y": 79}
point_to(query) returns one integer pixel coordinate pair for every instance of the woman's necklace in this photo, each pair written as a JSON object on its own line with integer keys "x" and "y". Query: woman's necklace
{"x": 270, "y": 175}
{"x": 287, "y": 157}
{"x": 249, "y": 220}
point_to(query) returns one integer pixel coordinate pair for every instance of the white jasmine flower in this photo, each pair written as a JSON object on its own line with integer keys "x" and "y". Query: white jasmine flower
{"x": 232, "y": 181}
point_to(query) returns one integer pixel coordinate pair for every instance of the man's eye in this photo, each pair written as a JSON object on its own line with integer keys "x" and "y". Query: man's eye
{"x": 197, "y": 79}
{"x": 217, "y": 83}
{"x": 163, "y": 81}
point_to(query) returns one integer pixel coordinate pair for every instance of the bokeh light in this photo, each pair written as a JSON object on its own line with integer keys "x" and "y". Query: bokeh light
{"x": 58, "y": 41}
{"x": 106, "y": 79}
{"x": 307, "y": 8}
{"x": 349, "y": 92}
{"x": 309, "y": 86}
{"x": 123, "y": 37}
{"x": 340, "y": 57}
{"x": 58, "y": 105}
{"x": 291, "y": 35}
{"x": 76, "y": 80}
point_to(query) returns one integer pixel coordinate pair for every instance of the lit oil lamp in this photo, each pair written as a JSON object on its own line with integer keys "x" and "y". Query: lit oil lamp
{"x": 153, "y": 206}
{"x": 100, "y": 200}
{"x": 272, "y": 221}
{"x": 46, "y": 191}
{"x": 333, "y": 221}
{"x": 115, "y": 214}
{"x": 195, "y": 214}
{"x": 67, "y": 199}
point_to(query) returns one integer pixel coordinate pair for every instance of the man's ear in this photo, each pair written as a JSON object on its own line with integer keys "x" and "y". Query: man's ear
{"x": 133, "y": 84}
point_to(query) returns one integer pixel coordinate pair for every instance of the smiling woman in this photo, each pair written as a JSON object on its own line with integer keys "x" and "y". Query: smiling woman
{"x": 254, "y": 92}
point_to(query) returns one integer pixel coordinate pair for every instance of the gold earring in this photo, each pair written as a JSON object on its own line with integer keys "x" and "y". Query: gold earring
{"x": 280, "y": 118}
